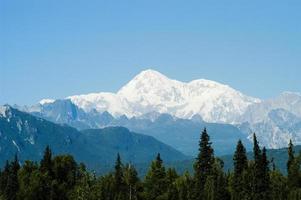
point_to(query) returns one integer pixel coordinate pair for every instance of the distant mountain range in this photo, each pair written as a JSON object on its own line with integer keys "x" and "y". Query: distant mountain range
{"x": 27, "y": 136}
{"x": 182, "y": 134}
{"x": 151, "y": 96}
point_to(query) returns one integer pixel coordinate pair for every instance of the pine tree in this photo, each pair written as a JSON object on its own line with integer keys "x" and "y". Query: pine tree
{"x": 172, "y": 193}
{"x": 46, "y": 162}
{"x": 203, "y": 164}
{"x": 171, "y": 175}
{"x": 209, "y": 189}
{"x": 256, "y": 150}
{"x": 4, "y": 177}
{"x": 132, "y": 182}
{"x": 260, "y": 176}
{"x": 12, "y": 185}
{"x": 291, "y": 155}
{"x": 118, "y": 175}
{"x": 257, "y": 170}
{"x": 240, "y": 165}
{"x": 294, "y": 175}
{"x": 292, "y": 167}
{"x": 184, "y": 184}
{"x": 155, "y": 180}
{"x": 265, "y": 176}
{"x": 278, "y": 186}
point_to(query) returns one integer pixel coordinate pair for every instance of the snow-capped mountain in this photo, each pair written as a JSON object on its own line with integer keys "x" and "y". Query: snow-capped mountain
{"x": 289, "y": 101}
{"x": 275, "y": 121}
{"x": 150, "y": 94}
{"x": 151, "y": 91}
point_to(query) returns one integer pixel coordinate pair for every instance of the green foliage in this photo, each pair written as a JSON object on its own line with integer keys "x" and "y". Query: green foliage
{"x": 240, "y": 165}
{"x": 62, "y": 178}
{"x": 155, "y": 180}
{"x": 203, "y": 164}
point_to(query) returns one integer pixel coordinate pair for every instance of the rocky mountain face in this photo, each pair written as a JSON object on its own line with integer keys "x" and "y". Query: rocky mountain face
{"x": 151, "y": 94}
{"x": 151, "y": 91}
{"x": 27, "y": 136}
{"x": 182, "y": 134}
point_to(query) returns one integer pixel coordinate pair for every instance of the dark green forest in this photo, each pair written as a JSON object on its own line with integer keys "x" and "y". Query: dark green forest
{"x": 62, "y": 178}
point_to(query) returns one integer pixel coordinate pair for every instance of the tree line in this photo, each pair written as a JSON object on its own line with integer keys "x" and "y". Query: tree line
{"x": 62, "y": 178}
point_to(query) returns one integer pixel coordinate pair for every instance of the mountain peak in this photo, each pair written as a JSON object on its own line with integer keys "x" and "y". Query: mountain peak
{"x": 151, "y": 91}
{"x": 150, "y": 72}
{"x": 4, "y": 109}
{"x": 46, "y": 101}
{"x": 149, "y": 76}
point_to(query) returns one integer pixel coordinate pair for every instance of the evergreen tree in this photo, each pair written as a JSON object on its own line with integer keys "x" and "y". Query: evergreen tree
{"x": 257, "y": 170}
{"x": 46, "y": 162}
{"x": 172, "y": 193}
{"x": 294, "y": 175}
{"x": 278, "y": 186}
{"x": 171, "y": 175}
{"x": 203, "y": 164}
{"x": 294, "y": 194}
{"x": 260, "y": 173}
{"x": 12, "y": 185}
{"x": 265, "y": 176}
{"x": 155, "y": 180}
{"x": 4, "y": 177}
{"x": 119, "y": 179}
{"x": 209, "y": 189}
{"x": 240, "y": 165}
{"x": 256, "y": 150}
{"x": 132, "y": 182}
{"x": 293, "y": 167}
{"x": 291, "y": 155}
{"x": 184, "y": 185}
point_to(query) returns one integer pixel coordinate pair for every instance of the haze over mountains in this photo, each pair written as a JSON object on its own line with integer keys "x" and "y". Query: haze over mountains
{"x": 27, "y": 136}
{"x": 151, "y": 96}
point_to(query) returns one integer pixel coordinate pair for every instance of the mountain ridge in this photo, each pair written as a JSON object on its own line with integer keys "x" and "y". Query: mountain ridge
{"x": 151, "y": 93}
{"x": 28, "y": 135}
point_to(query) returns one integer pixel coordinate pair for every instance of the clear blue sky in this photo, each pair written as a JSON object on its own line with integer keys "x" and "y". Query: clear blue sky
{"x": 57, "y": 48}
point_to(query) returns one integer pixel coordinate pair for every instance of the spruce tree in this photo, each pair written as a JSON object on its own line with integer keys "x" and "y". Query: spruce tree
{"x": 291, "y": 155}
{"x": 294, "y": 175}
{"x": 119, "y": 178}
{"x": 278, "y": 185}
{"x": 12, "y": 185}
{"x": 240, "y": 165}
{"x": 265, "y": 176}
{"x": 260, "y": 179}
{"x": 172, "y": 193}
{"x": 256, "y": 150}
{"x": 203, "y": 164}
{"x": 46, "y": 162}
{"x": 4, "y": 177}
{"x": 132, "y": 182}
{"x": 155, "y": 180}
{"x": 292, "y": 168}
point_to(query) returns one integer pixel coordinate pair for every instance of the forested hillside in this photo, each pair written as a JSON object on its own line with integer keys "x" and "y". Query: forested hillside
{"x": 61, "y": 178}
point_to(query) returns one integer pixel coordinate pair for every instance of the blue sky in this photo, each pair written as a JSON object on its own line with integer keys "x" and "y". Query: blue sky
{"x": 57, "y": 48}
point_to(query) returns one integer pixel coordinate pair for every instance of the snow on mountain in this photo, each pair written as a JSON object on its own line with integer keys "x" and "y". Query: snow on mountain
{"x": 275, "y": 121}
{"x": 289, "y": 101}
{"x": 151, "y": 91}
{"x": 5, "y": 111}
{"x": 2, "y": 111}
{"x": 46, "y": 101}
{"x": 150, "y": 94}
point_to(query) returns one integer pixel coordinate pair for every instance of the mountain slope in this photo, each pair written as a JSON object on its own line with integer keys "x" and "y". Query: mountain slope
{"x": 150, "y": 94}
{"x": 151, "y": 91}
{"x": 182, "y": 134}
{"x": 275, "y": 121}
{"x": 28, "y": 136}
